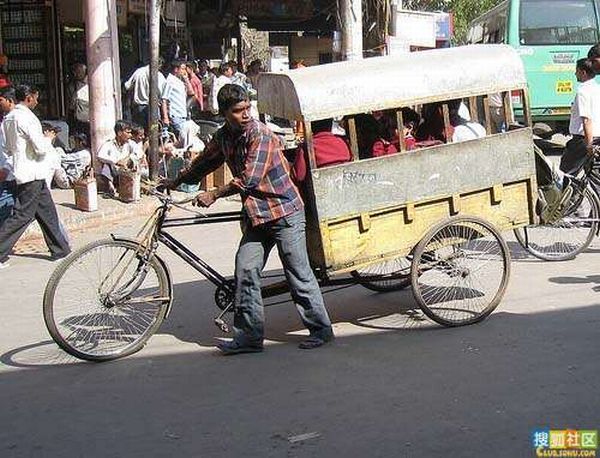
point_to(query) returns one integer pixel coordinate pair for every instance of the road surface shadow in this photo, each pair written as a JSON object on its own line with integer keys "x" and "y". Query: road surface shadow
{"x": 470, "y": 392}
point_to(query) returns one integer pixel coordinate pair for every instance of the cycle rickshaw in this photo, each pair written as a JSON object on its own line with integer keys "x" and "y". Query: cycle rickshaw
{"x": 431, "y": 217}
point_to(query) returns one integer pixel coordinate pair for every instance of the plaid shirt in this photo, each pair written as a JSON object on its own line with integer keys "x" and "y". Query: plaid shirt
{"x": 260, "y": 170}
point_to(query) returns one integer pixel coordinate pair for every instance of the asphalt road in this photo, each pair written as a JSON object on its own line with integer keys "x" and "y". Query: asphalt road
{"x": 392, "y": 385}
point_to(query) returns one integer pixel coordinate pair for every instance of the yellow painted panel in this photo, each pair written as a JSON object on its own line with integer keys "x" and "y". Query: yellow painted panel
{"x": 394, "y": 232}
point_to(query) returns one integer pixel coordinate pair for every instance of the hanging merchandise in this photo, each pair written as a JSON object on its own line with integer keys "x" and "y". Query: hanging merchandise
{"x": 25, "y": 43}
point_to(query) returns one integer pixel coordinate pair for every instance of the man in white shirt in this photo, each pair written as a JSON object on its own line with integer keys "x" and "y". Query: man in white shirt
{"x": 8, "y": 185}
{"x": 463, "y": 129}
{"x": 116, "y": 154}
{"x": 174, "y": 97}
{"x": 584, "y": 125}
{"x": 139, "y": 84}
{"x": 225, "y": 77}
{"x": 27, "y": 146}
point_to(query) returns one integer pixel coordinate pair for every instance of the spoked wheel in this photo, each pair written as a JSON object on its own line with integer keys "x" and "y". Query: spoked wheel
{"x": 568, "y": 236}
{"x": 460, "y": 271}
{"x": 390, "y": 275}
{"x": 106, "y": 300}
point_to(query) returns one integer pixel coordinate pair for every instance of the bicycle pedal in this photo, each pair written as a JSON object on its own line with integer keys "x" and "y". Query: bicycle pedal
{"x": 221, "y": 325}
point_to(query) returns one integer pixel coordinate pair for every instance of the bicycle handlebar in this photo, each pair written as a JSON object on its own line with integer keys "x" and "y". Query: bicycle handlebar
{"x": 166, "y": 198}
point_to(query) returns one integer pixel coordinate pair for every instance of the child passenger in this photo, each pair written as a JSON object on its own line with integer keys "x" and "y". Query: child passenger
{"x": 329, "y": 149}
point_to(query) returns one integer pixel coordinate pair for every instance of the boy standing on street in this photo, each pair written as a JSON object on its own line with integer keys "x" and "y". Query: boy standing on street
{"x": 273, "y": 214}
{"x": 27, "y": 147}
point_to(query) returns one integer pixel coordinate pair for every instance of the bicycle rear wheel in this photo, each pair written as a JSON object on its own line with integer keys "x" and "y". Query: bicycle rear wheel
{"x": 460, "y": 271}
{"x": 106, "y": 300}
{"x": 567, "y": 237}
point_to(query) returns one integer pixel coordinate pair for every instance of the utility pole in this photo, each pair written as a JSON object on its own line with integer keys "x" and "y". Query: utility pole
{"x": 351, "y": 27}
{"x": 153, "y": 127}
{"x": 103, "y": 70}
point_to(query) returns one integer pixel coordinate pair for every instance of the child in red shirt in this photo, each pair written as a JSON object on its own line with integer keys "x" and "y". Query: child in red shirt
{"x": 329, "y": 150}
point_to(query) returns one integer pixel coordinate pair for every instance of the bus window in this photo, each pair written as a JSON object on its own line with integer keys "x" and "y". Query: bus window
{"x": 549, "y": 22}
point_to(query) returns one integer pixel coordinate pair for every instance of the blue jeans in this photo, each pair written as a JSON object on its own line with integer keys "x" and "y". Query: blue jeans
{"x": 288, "y": 233}
{"x": 177, "y": 123}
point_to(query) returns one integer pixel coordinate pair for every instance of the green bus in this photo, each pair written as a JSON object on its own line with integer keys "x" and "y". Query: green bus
{"x": 550, "y": 36}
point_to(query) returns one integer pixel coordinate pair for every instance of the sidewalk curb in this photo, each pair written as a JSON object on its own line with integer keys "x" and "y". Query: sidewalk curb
{"x": 76, "y": 220}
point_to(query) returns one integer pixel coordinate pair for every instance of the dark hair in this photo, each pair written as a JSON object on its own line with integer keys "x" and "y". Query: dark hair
{"x": 230, "y": 95}
{"x": 175, "y": 64}
{"x": 24, "y": 90}
{"x": 135, "y": 128}
{"x": 324, "y": 125}
{"x": 586, "y": 65}
{"x": 453, "y": 110}
{"x": 8, "y": 93}
{"x": 224, "y": 67}
{"x": 594, "y": 51}
{"x": 410, "y": 117}
{"x": 82, "y": 138}
{"x": 46, "y": 126}
{"x": 122, "y": 125}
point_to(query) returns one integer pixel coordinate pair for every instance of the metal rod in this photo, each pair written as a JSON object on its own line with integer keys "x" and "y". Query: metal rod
{"x": 192, "y": 259}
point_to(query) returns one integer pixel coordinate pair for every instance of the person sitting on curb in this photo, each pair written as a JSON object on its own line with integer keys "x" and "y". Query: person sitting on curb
{"x": 116, "y": 154}
{"x": 54, "y": 157}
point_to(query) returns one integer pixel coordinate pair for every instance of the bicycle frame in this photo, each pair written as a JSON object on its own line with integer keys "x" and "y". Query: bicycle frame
{"x": 159, "y": 222}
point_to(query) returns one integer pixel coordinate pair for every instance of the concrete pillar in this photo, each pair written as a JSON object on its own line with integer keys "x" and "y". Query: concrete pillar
{"x": 103, "y": 70}
{"x": 153, "y": 126}
{"x": 351, "y": 27}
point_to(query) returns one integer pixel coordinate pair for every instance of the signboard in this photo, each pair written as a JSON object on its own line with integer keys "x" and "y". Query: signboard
{"x": 416, "y": 28}
{"x": 444, "y": 26}
{"x": 137, "y": 6}
{"x": 121, "y": 12}
{"x": 297, "y": 10}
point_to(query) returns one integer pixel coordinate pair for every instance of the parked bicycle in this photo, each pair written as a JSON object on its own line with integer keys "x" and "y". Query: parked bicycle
{"x": 568, "y": 214}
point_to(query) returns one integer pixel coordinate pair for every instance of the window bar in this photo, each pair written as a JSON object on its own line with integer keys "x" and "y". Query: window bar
{"x": 353, "y": 138}
{"x": 447, "y": 126}
{"x": 400, "y": 122}
{"x": 488, "y": 115}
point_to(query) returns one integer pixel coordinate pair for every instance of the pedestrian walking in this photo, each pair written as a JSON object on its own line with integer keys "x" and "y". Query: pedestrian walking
{"x": 7, "y": 179}
{"x": 273, "y": 214}
{"x": 27, "y": 146}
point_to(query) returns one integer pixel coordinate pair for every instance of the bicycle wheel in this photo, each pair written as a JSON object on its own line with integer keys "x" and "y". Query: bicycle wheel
{"x": 567, "y": 237}
{"x": 390, "y": 275}
{"x": 106, "y": 300}
{"x": 460, "y": 271}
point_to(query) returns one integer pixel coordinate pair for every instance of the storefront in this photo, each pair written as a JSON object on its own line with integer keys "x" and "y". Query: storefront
{"x": 28, "y": 38}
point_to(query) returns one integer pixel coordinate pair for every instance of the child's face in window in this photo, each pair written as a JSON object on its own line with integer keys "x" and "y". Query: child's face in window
{"x": 408, "y": 129}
